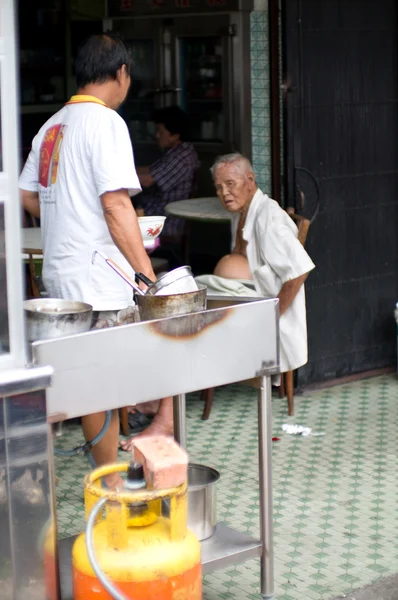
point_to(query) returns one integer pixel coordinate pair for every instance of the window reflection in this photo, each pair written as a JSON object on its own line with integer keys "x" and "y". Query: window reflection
{"x": 4, "y": 335}
{"x": 1, "y": 137}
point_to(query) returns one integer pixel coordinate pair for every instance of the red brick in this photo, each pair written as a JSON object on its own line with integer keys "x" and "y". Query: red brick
{"x": 165, "y": 462}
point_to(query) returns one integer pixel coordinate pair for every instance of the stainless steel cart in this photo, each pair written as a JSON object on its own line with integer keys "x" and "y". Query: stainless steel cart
{"x": 233, "y": 340}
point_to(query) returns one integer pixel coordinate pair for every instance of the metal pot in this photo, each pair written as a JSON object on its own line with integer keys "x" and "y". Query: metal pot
{"x": 49, "y": 318}
{"x": 202, "y": 500}
{"x": 161, "y": 307}
{"x": 177, "y": 281}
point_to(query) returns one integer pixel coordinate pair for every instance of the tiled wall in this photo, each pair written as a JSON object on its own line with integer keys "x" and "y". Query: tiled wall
{"x": 261, "y": 136}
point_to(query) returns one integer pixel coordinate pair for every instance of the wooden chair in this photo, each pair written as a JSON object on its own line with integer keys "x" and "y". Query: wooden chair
{"x": 287, "y": 379}
{"x": 33, "y": 258}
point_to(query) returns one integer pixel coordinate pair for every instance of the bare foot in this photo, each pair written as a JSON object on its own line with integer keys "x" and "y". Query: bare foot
{"x": 158, "y": 427}
{"x": 146, "y": 408}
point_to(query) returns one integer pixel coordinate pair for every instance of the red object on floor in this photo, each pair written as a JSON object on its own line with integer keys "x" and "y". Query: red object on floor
{"x": 275, "y": 439}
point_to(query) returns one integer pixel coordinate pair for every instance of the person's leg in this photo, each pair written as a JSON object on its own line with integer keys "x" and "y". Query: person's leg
{"x": 105, "y": 452}
{"x": 233, "y": 266}
{"x": 146, "y": 408}
{"x": 162, "y": 424}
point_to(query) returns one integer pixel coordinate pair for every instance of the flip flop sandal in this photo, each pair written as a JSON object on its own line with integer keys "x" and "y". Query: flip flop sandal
{"x": 138, "y": 421}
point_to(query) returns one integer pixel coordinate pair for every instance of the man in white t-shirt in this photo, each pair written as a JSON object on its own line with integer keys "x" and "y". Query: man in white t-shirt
{"x": 266, "y": 250}
{"x": 78, "y": 180}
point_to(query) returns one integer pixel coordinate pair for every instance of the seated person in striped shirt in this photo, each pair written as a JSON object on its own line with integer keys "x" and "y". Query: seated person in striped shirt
{"x": 172, "y": 176}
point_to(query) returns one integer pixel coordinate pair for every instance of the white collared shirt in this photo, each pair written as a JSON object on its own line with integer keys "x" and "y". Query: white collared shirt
{"x": 276, "y": 256}
{"x": 81, "y": 152}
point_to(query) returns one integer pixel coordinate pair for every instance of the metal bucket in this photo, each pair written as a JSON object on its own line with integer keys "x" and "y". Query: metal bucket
{"x": 202, "y": 500}
{"x": 161, "y": 307}
{"x": 49, "y": 318}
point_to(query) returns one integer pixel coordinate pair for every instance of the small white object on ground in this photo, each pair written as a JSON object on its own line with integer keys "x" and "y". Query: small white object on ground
{"x": 300, "y": 430}
{"x": 296, "y": 429}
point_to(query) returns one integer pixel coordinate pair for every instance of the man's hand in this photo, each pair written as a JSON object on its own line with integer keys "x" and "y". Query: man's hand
{"x": 123, "y": 226}
{"x": 30, "y": 202}
{"x": 289, "y": 291}
{"x": 145, "y": 177}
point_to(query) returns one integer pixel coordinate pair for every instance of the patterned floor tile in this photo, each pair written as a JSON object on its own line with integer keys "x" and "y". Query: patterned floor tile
{"x": 335, "y": 495}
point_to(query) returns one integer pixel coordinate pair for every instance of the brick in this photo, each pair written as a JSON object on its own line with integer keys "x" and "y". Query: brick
{"x": 165, "y": 462}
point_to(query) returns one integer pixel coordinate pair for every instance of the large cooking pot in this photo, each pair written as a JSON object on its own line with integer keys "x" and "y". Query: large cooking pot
{"x": 49, "y": 318}
{"x": 161, "y": 307}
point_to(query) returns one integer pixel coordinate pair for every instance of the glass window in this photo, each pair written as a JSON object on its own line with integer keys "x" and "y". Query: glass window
{"x": 4, "y": 334}
{"x": 1, "y": 137}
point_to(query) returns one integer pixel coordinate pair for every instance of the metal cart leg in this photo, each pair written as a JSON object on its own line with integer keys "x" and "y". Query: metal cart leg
{"x": 180, "y": 432}
{"x": 265, "y": 480}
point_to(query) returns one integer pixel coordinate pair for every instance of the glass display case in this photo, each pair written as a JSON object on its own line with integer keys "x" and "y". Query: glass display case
{"x": 202, "y": 64}
{"x": 201, "y": 78}
{"x": 42, "y": 55}
{"x": 138, "y": 108}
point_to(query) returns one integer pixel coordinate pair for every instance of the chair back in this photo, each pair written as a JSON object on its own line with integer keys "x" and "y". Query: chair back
{"x": 302, "y": 223}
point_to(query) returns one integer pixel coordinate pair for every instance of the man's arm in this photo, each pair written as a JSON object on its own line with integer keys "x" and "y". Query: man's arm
{"x": 123, "y": 226}
{"x": 289, "y": 291}
{"x": 145, "y": 177}
{"x": 30, "y": 202}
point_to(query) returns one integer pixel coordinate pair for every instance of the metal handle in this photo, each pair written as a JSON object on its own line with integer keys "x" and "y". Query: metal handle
{"x": 317, "y": 191}
{"x": 119, "y": 271}
{"x": 144, "y": 279}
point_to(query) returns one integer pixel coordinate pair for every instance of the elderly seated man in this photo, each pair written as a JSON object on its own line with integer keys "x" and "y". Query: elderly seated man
{"x": 266, "y": 259}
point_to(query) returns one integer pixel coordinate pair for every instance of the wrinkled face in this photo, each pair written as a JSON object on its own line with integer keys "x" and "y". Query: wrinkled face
{"x": 165, "y": 138}
{"x": 234, "y": 187}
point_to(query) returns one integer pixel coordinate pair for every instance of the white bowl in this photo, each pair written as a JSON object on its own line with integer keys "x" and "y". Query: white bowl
{"x": 151, "y": 228}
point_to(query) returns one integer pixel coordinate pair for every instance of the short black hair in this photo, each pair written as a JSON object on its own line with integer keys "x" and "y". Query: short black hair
{"x": 99, "y": 58}
{"x": 174, "y": 119}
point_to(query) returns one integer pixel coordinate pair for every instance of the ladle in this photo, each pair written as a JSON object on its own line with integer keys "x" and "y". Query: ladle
{"x": 119, "y": 271}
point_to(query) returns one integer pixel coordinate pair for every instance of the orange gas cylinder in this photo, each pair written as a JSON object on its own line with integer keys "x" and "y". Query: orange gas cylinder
{"x": 143, "y": 554}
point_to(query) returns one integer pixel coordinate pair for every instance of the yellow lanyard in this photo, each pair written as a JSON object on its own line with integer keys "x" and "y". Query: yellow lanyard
{"x": 79, "y": 98}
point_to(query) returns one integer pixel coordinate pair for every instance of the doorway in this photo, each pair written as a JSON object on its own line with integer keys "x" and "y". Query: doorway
{"x": 341, "y": 127}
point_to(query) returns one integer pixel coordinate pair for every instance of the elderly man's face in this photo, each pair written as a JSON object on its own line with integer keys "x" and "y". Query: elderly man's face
{"x": 235, "y": 188}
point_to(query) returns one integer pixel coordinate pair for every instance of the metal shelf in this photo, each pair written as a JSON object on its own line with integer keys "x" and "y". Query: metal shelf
{"x": 226, "y": 547}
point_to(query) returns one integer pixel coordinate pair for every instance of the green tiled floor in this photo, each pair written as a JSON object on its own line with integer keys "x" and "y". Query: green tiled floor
{"x": 335, "y": 495}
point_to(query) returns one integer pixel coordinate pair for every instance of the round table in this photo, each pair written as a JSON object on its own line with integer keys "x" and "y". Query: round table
{"x": 199, "y": 209}
{"x": 206, "y": 210}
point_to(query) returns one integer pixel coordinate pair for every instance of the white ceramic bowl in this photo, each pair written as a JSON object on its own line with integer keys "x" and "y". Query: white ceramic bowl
{"x": 151, "y": 228}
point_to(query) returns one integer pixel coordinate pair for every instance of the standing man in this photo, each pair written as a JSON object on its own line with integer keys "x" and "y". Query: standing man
{"x": 78, "y": 180}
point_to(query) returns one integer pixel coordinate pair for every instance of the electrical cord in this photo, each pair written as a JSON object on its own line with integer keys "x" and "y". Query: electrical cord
{"x": 110, "y": 588}
{"x": 86, "y": 447}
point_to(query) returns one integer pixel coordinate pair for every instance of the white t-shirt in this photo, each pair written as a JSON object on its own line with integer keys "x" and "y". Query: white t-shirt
{"x": 81, "y": 152}
{"x": 276, "y": 256}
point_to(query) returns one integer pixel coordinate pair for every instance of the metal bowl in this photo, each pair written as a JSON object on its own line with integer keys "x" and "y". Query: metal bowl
{"x": 177, "y": 281}
{"x": 49, "y": 318}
